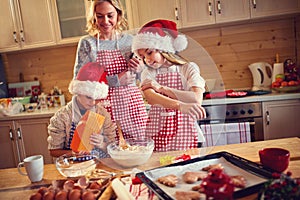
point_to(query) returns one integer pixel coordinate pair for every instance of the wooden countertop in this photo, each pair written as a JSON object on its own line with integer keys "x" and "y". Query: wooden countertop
{"x": 15, "y": 186}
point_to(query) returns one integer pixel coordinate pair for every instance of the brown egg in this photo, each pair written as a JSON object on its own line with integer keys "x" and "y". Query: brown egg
{"x": 68, "y": 185}
{"x": 61, "y": 195}
{"x": 95, "y": 185}
{"x": 49, "y": 195}
{"x": 43, "y": 190}
{"x": 88, "y": 195}
{"x": 36, "y": 196}
{"x": 74, "y": 194}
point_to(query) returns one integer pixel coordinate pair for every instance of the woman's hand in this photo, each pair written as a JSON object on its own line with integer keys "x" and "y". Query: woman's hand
{"x": 96, "y": 140}
{"x": 195, "y": 110}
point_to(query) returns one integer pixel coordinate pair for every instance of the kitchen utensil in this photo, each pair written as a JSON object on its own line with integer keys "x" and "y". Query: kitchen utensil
{"x": 261, "y": 73}
{"x": 34, "y": 166}
{"x": 137, "y": 153}
{"x": 237, "y": 94}
{"x": 275, "y": 158}
{"x": 122, "y": 141}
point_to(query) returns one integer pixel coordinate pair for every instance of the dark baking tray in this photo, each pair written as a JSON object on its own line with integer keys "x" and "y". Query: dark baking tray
{"x": 242, "y": 163}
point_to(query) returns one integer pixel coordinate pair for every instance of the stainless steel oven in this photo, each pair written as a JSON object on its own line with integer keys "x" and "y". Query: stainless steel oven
{"x": 240, "y": 112}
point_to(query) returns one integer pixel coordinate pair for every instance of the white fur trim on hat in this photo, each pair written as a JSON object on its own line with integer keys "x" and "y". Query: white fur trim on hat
{"x": 93, "y": 89}
{"x": 166, "y": 43}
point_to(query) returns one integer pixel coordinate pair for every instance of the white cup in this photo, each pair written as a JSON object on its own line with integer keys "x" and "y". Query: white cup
{"x": 34, "y": 166}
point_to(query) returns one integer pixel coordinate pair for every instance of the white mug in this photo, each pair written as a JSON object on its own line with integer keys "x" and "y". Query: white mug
{"x": 34, "y": 166}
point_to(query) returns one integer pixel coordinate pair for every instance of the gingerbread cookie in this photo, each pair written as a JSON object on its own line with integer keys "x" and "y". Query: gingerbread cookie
{"x": 169, "y": 180}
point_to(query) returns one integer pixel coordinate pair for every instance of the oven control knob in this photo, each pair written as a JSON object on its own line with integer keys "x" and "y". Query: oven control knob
{"x": 250, "y": 111}
{"x": 243, "y": 112}
{"x": 227, "y": 113}
{"x": 234, "y": 112}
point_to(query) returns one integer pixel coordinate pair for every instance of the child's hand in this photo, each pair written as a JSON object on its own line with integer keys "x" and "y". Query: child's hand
{"x": 136, "y": 64}
{"x": 196, "y": 111}
{"x": 96, "y": 140}
{"x": 150, "y": 84}
{"x": 127, "y": 78}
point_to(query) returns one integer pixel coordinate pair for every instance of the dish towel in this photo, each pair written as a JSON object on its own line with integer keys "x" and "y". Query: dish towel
{"x": 226, "y": 133}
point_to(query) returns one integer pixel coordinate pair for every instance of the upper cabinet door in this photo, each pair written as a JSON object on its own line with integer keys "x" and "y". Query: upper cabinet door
{"x": 197, "y": 12}
{"x": 231, "y": 10}
{"x": 70, "y": 17}
{"x": 25, "y": 24}
{"x": 205, "y": 12}
{"x": 143, "y": 11}
{"x": 265, "y": 8}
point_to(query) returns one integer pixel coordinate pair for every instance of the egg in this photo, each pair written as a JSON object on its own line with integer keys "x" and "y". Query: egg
{"x": 36, "y": 196}
{"x": 88, "y": 195}
{"x": 74, "y": 194}
{"x": 43, "y": 190}
{"x": 68, "y": 185}
{"x": 95, "y": 185}
{"x": 61, "y": 195}
{"x": 49, "y": 195}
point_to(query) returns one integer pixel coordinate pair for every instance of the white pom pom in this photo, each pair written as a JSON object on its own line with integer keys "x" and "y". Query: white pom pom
{"x": 180, "y": 43}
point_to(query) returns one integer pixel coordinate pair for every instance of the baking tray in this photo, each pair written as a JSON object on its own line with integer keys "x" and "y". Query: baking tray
{"x": 244, "y": 164}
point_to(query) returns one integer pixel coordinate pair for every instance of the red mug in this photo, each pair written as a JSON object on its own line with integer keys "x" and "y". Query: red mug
{"x": 275, "y": 158}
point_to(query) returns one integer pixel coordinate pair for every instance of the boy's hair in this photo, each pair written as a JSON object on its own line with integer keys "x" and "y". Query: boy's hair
{"x": 91, "y": 25}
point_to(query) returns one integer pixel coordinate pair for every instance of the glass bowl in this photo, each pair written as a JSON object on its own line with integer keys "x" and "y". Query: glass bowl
{"x": 138, "y": 152}
{"x": 75, "y": 165}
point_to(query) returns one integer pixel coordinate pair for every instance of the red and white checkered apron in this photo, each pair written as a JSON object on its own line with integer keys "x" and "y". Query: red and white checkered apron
{"x": 124, "y": 103}
{"x": 171, "y": 129}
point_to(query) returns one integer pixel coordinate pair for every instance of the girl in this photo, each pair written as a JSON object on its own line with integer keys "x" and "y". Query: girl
{"x": 172, "y": 85}
{"x": 107, "y": 45}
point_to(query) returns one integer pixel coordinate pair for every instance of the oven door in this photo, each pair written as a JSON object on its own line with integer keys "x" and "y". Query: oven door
{"x": 231, "y": 131}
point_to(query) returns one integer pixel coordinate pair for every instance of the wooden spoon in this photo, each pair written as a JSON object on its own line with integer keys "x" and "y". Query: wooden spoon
{"x": 122, "y": 142}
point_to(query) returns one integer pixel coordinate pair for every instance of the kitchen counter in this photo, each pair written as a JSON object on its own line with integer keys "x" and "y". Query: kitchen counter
{"x": 32, "y": 115}
{"x": 15, "y": 186}
{"x": 274, "y": 96}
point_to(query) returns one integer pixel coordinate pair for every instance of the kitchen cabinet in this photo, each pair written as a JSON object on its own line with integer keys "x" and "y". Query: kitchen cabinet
{"x": 70, "y": 19}
{"x": 204, "y": 12}
{"x": 265, "y": 8}
{"x": 25, "y": 24}
{"x": 143, "y": 11}
{"x": 21, "y": 138}
{"x": 281, "y": 119}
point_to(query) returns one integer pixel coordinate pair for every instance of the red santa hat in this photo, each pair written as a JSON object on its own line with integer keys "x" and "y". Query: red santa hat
{"x": 90, "y": 81}
{"x": 160, "y": 34}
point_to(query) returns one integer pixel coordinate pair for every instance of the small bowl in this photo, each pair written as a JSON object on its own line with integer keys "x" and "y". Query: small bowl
{"x": 275, "y": 158}
{"x": 75, "y": 165}
{"x": 138, "y": 153}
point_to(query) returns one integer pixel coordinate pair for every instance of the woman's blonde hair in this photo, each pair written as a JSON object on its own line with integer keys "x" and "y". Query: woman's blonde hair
{"x": 174, "y": 58}
{"x": 92, "y": 27}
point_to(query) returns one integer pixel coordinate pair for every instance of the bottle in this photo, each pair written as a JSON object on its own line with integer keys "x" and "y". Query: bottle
{"x": 277, "y": 68}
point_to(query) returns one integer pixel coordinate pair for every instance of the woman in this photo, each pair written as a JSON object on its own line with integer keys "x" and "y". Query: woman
{"x": 107, "y": 45}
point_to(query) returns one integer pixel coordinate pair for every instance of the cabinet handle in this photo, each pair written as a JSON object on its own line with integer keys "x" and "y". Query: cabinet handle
{"x": 219, "y": 7}
{"x": 176, "y": 14}
{"x": 268, "y": 117}
{"x": 254, "y": 3}
{"x": 15, "y": 36}
{"x": 19, "y": 133}
{"x": 210, "y": 8}
{"x": 22, "y": 36}
{"x": 11, "y": 134}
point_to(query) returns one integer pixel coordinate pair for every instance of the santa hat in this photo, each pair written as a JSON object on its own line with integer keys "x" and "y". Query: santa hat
{"x": 160, "y": 34}
{"x": 90, "y": 81}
